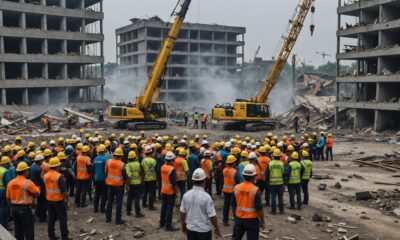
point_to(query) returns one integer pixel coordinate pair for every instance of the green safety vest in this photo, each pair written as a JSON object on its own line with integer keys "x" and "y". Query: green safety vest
{"x": 276, "y": 173}
{"x": 2, "y": 171}
{"x": 133, "y": 171}
{"x": 307, "y": 169}
{"x": 196, "y": 116}
{"x": 149, "y": 167}
{"x": 295, "y": 173}
{"x": 244, "y": 163}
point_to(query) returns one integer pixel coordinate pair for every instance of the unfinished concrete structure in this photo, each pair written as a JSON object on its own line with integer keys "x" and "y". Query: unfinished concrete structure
{"x": 51, "y": 51}
{"x": 369, "y": 36}
{"x": 201, "y": 50}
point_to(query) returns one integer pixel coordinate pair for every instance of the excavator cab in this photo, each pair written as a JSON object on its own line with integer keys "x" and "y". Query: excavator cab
{"x": 258, "y": 110}
{"x": 159, "y": 109}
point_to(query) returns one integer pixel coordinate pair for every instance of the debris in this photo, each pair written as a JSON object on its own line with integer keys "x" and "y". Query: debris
{"x": 337, "y": 185}
{"x": 262, "y": 235}
{"x": 291, "y": 219}
{"x": 322, "y": 177}
{"x": 90, "y": 220}
{"x": 322, "y": 186}
{"x": 337, "y": 165}
{"x": 363, "y": 195}
{"x": 342, "y": 230}
{"x": 93, "y": 231}
{"x": 296, "y": 217}
{"x": 139, "y": 234}
{"x": 227, "y": 235}
{"x": 388, "y": 184}
{"x": 397, "y": 212}
{"x": 343, "y": 225}
{"x": 376, "y": 165}
{"x": 327, "y": 219}
{"x": 364, "y": 217}
{"x": 328, "y": 230}
{"x": 344, "y": 179}
{"x": 317, "y": 218}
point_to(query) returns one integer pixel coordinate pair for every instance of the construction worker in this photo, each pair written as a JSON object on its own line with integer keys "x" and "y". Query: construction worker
{"x": 20, "y": 192}
{"x": 168, "y": 190}
{"x": 320, "y": 147}
{"x": 5, "y": 178}
{"x": 203, "y": 121}
{"x": 198, "y": 210}
{"x": 115, "y": 180}
{"x": 149, "y": 168}
{"x": 196, "y": 120}
{"x": 100, "y": 187}
{"x": 160, "y": 161}
{"x": 218, "y": 163}
{"x": 263, "y": 161}
{"x": 207, "y": 165}
{"x": 274, "y": 176}
{"x": 60, "y": 145}
{"x": 329, "y": 146}
{"x": 307, "y": 164}
{"x": 68, "y": 119}
{"x": 135, "y": 174}
{"x": 230, "y": 181}
{"x": 36, "y": 175}
{"x": 69, "y": 162}
{"x": 293, "y": 173}
{"x": 47, "y": 123}
{"x": 182, "y": 171}
{"x": 57, "y": 199}
{"x": 247, "y": 206}
{"x": 193, "y": 162}
{"x": 244, "y": 162}
{"x": 83, "y": 170}
{"x": 186, "y": 118}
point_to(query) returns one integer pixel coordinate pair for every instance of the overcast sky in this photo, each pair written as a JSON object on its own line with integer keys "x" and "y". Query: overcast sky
{"x": 265, "y": 21}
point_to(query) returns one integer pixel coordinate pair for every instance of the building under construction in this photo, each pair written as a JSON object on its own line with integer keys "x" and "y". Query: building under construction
{"x": 201, "y": 50}
{"x": 51, "y": 51}
{"x": 372, "y": 45}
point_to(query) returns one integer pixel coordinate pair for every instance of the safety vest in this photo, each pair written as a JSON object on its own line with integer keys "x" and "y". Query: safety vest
{"x": 307, "y": 169}
{"x": 275, "y": 173}
{"x": 204, "y": 118}
{"x": 196, "y": 116}
{"x": 245, "y": 194}
{"x": 295, "y": 177}
{"x": 180, "y": 172}
{"x": 2, "y": 171}
{"x": 113, "y": 171}
{"x": 134, "y": 169}
{"x": 58, "y": 149}
{"x": 329, "y": 142}
{"x": 258, "y": 172}
{"x": 82, "y": 163}
{"x": 204, "y": 165}
{"x": 244, "y": 163}
{"x": 53, "y": 192}
{"x": 166, "y": 185}
{"x": 45, "y": 167}
{"x": 229, "y": 179}
{"x": 17, "y": 191}
{"x": 263, "y": 162}
{"x": 149, "y": 166}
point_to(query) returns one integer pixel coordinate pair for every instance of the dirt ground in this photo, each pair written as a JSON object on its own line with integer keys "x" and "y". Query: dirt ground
{"x": 339, "y": 204}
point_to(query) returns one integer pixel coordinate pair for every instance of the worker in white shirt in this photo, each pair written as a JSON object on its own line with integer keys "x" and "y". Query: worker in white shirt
{"x": 198, "y": 210}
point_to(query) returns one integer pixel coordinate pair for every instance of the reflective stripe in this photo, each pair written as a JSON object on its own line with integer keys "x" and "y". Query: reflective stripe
{"x": 53, "y": 190}
{"x": 82, "y": 169}
{"x": 230, "y": 187}
{"x": 167, "y": 184}
{"x": 25, "y": 198}
{"x": 243, "y": 209}
{"x": 179, "y": 172}
{"x": 115, "y": 177}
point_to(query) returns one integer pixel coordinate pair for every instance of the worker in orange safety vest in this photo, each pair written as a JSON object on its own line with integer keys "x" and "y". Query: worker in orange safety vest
{"x": 83, "y": 170}
{"x": 230, "y": 181}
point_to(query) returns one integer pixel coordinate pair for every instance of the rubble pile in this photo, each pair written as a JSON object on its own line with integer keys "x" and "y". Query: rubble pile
{"x": 388, "y": 202}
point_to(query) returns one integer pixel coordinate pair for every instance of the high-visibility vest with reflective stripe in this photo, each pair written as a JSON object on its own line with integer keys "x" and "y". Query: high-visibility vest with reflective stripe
{"x": 53, "y": 192}
{"x": 134, "y": 169}
{"x": 258, "y": 171}
{"x": 329, "y": 142}
{"x": 295, "y": 173}
{"x": 113, "y": 170}
{"x": 204, "y": 165}
{"x": 275, "y": 173}
{"x": 307, "y": 169}
{"x": 245, "y": 194}
{"x": 19, "y": 194}
{"x": 2, "y": 171}
{"x": 149, "y": 165}
{"x": 229, "y": 179}
{"x": 166, "y": 185}
{"x": 180, "y": 172}
{"x": 263, "y": 162}
{"x": 82, "y": 167}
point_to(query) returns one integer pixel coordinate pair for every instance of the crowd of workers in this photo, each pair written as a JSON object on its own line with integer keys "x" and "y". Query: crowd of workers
{"x": 148, "y": 168}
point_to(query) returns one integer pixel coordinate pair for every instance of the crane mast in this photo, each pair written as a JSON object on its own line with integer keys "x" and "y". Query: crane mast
{"x": 296, "y": 24}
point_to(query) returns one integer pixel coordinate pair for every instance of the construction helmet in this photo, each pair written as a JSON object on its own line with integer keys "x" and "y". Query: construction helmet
{"x": 207, "y": 153}
{"x": 165, "y": 138}
{"x": 182, "y": 152}
{"x": 262, "y": 150}
{"x": 192, "y": 144}
{"x": 310, "y": 141}
{"x": 235, "y": 150}
{"x": 275, "y": 138}
{"x": 205, "y": 137}
{"x": 267, "y": 147}
{"x": 90, "y": 139}
{"x": 284, "y": 138}
{"x": 7, "y": 149}
{"x": 39, "y": 157}
{"x": 272, "y": 150}
{"x": 22, "y": 166}
{"x": 290, "y": 148}
{"x": 305, "y": 153}
{"x": 156, "y": 135}
{"x": 170, "y": 156}
{"x": 118, "y": 152}
{"x": 322, "y": 133}
{"x": 61, "y": 156}
{"x": 197, "y": 136}
{"x": 79, "y": 146}
{"x": 157, "y": 146}
{"x": 81, "y": 131}
{"x": 292, "y": 137}
{"x": 237, "y": 137}
{"x": 133, "y": 146}
{"x": 60, "y": 139}
{"x": 228, "y": 145}
{"x": 269, "y": 135}
{"x": 184, "y": 137}
{"x": 101, "y": 148}
{"x": 249, "y": 170}
{"x": 247, "y": 139}
{"x": 96, "y": 133}
{"x": 244, "y": 154}
{"x": 314, "y": 134}
{"x": 18, "y": 138}
{"x": 272, "y": 143}
{"x": 121, "y": 136}
{"x": 231, "y": 159}
{"x": 17, "y": 148}
{"x": 199, "y": 175}
{"x": 38, "y": 152}
{"x": 85, "y": 149}
{"x": 252, "y": 142}
{"x": 277, "y": 153}
{"x": 107, "y": 143}
{"x": 169, "y": 147}
{"x": 54, "y": 162}
{"x": 32, "y": 155}
{"x": 216, "y": 145}
{"x": 87, "y": 135}
{"x": 148, "y": 149}
{"x": 295, "y": 155}
{"x": 5, "y": 160}
{"x": 113, "y": 135}
{"x": 142, "y": 132}
{"x": 306, "y": 135}
{"x": 47, "y": 152}
{"x": 252, "y": 155}
{"x": 330, "y": 135}
{"x": 30, "y": 145}
{"x": 132, "y": 155}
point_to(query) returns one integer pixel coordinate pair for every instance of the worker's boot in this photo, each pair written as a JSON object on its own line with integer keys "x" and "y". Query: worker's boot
{"x": 171, "y": 229}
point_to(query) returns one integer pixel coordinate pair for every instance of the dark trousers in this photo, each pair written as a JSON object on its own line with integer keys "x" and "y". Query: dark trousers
{"x": 203, "y": 125}
{"x": 294, "y": 190}
{"x": 191, "y": 235}
{"x": 100, "y": 196}
{"x": 320, "y": 154}
{"x": 150, "y": 191}
{"x": 182, "y": 187}
{"x": 41, "y": 205}
{"x": 71, "y": 187}
{"x": 208, "y": 187}
{"x": 219, "y": 182}
{"x": 186, "y": 121}
{"x": 329, "y": 153}
{"x": 134, "y": 193}
{"x": 276, "y": 191}
{"x": 167, "y": 209}
{"x": 3, "y": 210}
{"x": 263, "y": 186}
{"x": 250, "y": 226}
{"x": 196, "y": 124}
{"x": 57, "y": 210}
{"x": 82, "y": 187}
{"x": 116, "y": 193}
{"x": 304, "y": 187}
{"x": 23, "y": 222}
{"x": 227, "y": 206}
{"x": 159, "y": 184}
{"x": 189, "y": 182}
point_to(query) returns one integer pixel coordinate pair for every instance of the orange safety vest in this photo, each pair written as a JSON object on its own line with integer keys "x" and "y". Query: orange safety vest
{"x": 78, "y": 152}
{"x": 204, "y": 165}
{"x": 58, "y": 149}
{"x": 245, "y": 194}
{"x": 204, "y": 118}
{"x": 114, "y": 169}
{"x": 284, "y": 159}
{"x": 18, "y": 191}
{"x": 258, "y": 172}
{"x": 82, "y": 163}
{"x": 166, "y": 187}
{"x": 229, "y": 179}
{"x": 180, "y": 172}
{"x": 329, "y": 142}
{"x": 53, "y": 192}
{"x": 45, "y": 167}
{"x": 263, "y": 162}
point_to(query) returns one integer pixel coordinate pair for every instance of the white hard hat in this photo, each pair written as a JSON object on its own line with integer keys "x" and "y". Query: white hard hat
{"x": 305, "y": 145}
{"x": 202, "y": 149}
{"x": 39, "y": 158}
{"x": 249, "y": 170}
{"x": 228, "y": 144}
{"x": 125, "y": 141}
{"x": 159, "y": 139}
{"x": 252, "y": 155}
{"x": 204, "y": 142}
{"x": 73, "y": 136}
{"x": 148, "y": 149}
{"x": 244, "y": 143}
{"x": 232, "y": 140}
{"x": 248, "y": 145}
{"x": 199, "y": 175}
{"x": 52, "y": 142}
{"x": 258, "y": 143}
{"x": 183, "y": 141}
{"x": 207, "y": 153}
{"x": 280, "y": 144}
{"x": 78, "y": 139}
{"x": 253, "y": 147}
{"x": 96, "y": 139}
{"x": 170, "y": 156}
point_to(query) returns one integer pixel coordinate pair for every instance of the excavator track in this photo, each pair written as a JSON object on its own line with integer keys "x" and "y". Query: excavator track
{"x": 137, "y": 126}
{"x": 250, "y": 126}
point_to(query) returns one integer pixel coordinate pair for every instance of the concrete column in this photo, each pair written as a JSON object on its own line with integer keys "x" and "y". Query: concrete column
{"x": 24, "y": 70}
{"x": 63, "y": 3}
{"x": 377, "y": 121}
{"x": 84, "y": 92}
{"x": 1, "y": 18}
{"x": 45, "y": 71}
{"x": 46, "y": 96}
{"x": 64, "y": 47}
{"x": 378, "y": 92}
{"x": 43, "y": 2}
{"x": 66, "y": 95}
{"x": 23, "y": 48}
{"x": 3, "y": 96}
{"x": 44, "y": 21}
{"x": 2, "y": 71}
{"x": 83, "y": 48}
{"x": 82, "y": 3}
{"x": 63, "y": 26}
{"x": 25, "y": 97}
{"x": 65, "y": 72}
{"x": 44, "y": 47}
{"x": 1, "y": 44}
{"x": 83, "y": 25}
{"x": 22, "y": 21}
{"x": 102, "y": 93}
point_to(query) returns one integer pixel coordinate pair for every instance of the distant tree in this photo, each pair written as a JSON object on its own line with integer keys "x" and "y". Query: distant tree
{"x": 327, "y": 69}
{"x": 110, "y": 68}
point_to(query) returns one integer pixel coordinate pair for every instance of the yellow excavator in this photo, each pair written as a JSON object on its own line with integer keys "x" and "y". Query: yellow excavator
{"x": 254, "y": 114}
{"x": 147, "y": 112}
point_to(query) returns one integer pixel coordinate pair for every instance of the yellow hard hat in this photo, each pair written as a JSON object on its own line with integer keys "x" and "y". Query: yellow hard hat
{"x": 169, "y": 147}
{"x": 79, "y": 146}
{"x": 7, "y": 149}
{"x": 277, "y": 153}
{"x": 314, "y": 134}
{"x": 322, "y": 133}
{"x": 38, "y": 152}
{"x": 295, "y": 155}
{"x": 118, "y": 152}
{"x": 305, "y": 153}
{"x": 267, "y": 147}
{"x": 30, "y": 145}
{"x": 247, "y": 139}
{"x": 107, "y": 143}
{"x": 43, "y": 145}
{"x": 132, "y": 155}
{"x": 60, "y": 139}
{"x": 290, "y": 148}
{"x": 239, "y": 143}
{"x": 22, "y": 166}
{"x": 142, "y": 132}
{"x": 262, "y": 150}
{"x": 237, "y": 137}
{"x": 273, "y": 148}
{"x": 231, "y": 159}
{"x": 275, "y": 138}
{"x": 157, "y": 146}
{"x": 175, "y": 138}
{"x": 32, "y": 155}
{"x": 85, "y": 149}
{"x": 165, "y": 138}
{"x": 100, "y": 137}
{"x": 54, "y": 162}
{"x": 139, "y": 138}
{"x": 18, "y": 138}
{"x": 5, "y": 160}
{"x": 292, "y": 137}
{"x": 112, "y": 135}
{"x": 101, "y": 148}
{"x": 310, "y": 141}
{"x": 67, "y": 140}
{"x": 90, "y": 139}
{"x": 17, "y": 148}
{"x": 156, "y": 135}
{"x": 184, "y": 137}
{"x": 81, "y": 130}
{"x": 284, "y": 138}
{"x": 122, "y": 135}
{"x": 61, "y": 156}
{"x": 96, "y": 133}
{"x": 205, "y": 137}
{"x": 216, "y": 145}
{"x": 252, "y": 142}
{"x": 269, "y": 135}
{"x": 47, "y": 152}
{"x": 87, "y": 135}
{"x": 182, "y": 152}
{"x": 266, "y": 141}
{"x": 192, "y": 144}
{"x": 244, "y": 154}
{"x": 197, "y": 136}
{"x": 133, "y": 146}
{"x": 305, "y": 134}
{"x": 235, "y": 150}
{"x": 72, "y": 141}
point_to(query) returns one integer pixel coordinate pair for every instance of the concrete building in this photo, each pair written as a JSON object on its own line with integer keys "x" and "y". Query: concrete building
{"x": 51, "y": 51}
{"x": 201, "y": 50}
{"x": 373, "y": 45}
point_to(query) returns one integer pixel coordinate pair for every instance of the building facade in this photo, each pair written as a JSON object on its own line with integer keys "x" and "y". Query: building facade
{"x": 368, "y": 37}
{"x": 202, "y": 54}
{"x": 51, "y": 51}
